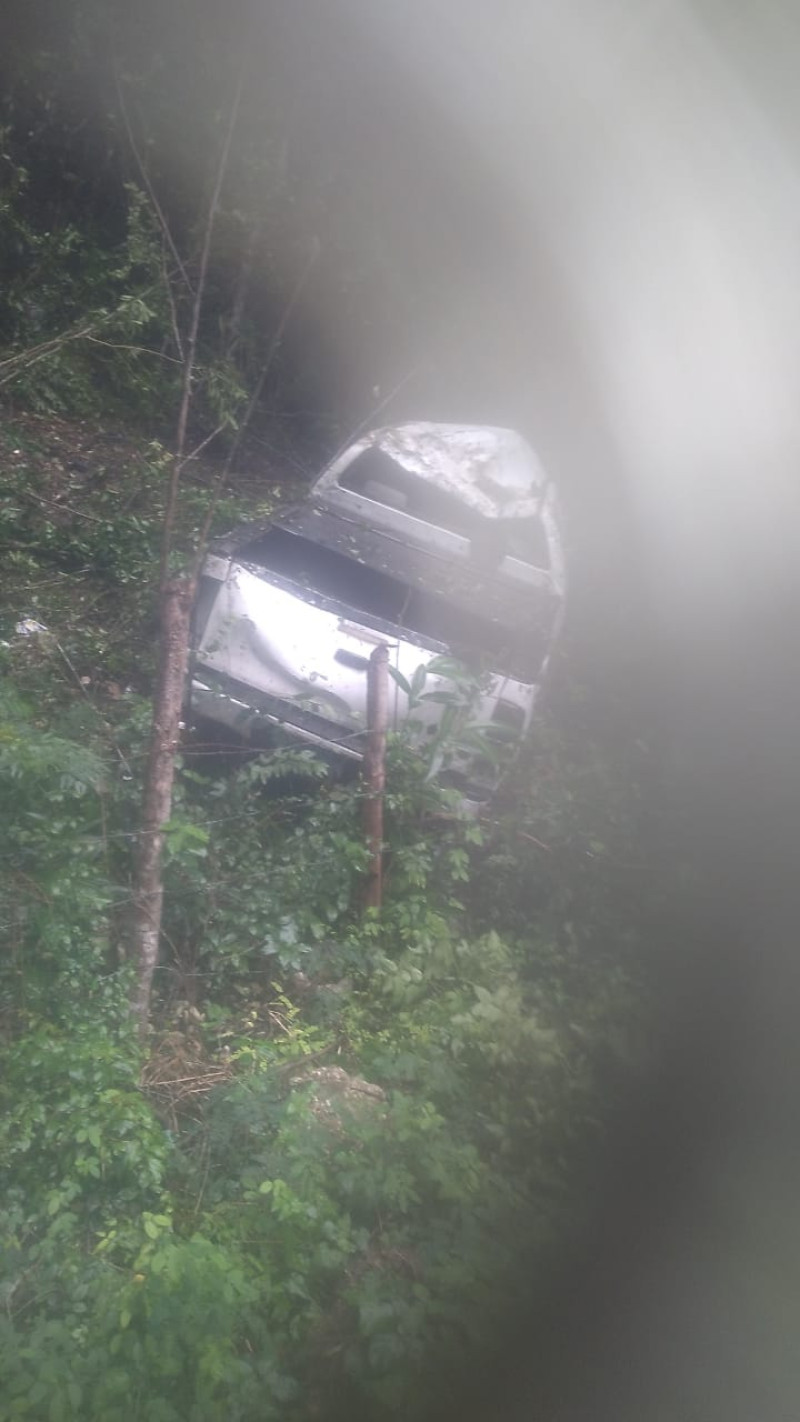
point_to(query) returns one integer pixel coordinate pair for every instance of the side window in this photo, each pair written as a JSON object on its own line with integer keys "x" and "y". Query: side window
{"x": 375, "y": 476}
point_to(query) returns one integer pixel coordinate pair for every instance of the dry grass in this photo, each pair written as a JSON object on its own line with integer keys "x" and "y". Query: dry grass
{"x": 178, "y": 1071}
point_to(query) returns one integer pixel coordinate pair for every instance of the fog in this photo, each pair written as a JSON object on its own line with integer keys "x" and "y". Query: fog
{"x": 582, "y": 219}
{"x": 632, "y": 268}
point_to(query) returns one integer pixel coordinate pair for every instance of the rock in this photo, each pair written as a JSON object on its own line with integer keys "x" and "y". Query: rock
{"x": 336, "y": 1094}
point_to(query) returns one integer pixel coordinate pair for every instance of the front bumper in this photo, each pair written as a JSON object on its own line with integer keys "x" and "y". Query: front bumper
{"x": 252, "y": 713}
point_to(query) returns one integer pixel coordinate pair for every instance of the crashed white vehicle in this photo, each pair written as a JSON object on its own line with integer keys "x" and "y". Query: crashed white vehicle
{"x": 434, "y": 539}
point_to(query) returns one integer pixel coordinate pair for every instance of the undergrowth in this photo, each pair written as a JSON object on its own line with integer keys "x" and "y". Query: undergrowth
{"x": 210, "y": 1230}
{"x": 352, "y": 1140}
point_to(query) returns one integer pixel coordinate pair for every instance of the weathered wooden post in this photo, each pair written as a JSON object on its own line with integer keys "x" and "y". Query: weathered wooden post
{"x": 375, "y": 770}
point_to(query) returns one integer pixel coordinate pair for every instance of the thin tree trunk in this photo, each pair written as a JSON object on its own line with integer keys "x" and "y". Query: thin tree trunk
{"x": 375, "y": 771}
{"x": 176, "y": 606}
{"x": 176, "y": 597}
{"x": 233, "y": 450}
{"x": 242, "y": 288}
{"x": 274, "y": 347}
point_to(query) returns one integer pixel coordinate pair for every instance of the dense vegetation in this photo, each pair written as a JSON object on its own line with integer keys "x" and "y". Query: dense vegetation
{"x": 350, "y": 1141}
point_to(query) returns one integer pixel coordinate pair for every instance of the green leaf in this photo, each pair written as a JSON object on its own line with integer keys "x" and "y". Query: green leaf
{"x": 441, "y": 698}
{"x": 398, "y": 677}
{"x": 418, "y": 681}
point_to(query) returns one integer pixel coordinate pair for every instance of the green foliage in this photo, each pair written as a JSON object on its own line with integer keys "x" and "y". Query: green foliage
{"x": 352, "y": 1139}
{"x": 75, "y": 1132}
{"x": 54, "y": 899}
{"x": 80, "y": 322}
{"x": 460, "y": 737}
{"x": 38, "y": 756}
{"x": 365, "y": 1214}
{"x": 567, "y": 844}
{"x": 300, "y": 857}
{"x": 280, "y": 1242}
{"x": 80, "y": 538}
{"x": 163, "y": 1337}
{"x": 100, "y": 269}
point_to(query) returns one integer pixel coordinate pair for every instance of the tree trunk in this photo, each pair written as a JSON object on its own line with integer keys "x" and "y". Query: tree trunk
{"x": 176, "y": 606}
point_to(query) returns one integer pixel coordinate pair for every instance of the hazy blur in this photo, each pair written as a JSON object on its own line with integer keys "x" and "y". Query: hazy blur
{"x": 604, "y": 200}
{"x": 583, "y": 219}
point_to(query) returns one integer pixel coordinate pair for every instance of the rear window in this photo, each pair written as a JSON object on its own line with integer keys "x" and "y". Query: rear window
{"x": 375, "y": 476}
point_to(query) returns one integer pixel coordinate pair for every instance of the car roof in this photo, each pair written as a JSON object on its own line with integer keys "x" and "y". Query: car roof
{"x": 493, "y": 470}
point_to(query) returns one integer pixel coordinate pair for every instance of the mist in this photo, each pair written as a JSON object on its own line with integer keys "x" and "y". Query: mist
{"x": 606, "y": 203}
{"x": 581, "y": 220}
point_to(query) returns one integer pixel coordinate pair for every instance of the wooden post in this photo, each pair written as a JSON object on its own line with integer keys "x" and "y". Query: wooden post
{"x": 375, "y": 770}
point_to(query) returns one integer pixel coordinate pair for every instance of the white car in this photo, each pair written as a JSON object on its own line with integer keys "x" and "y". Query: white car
{"x": 434, "y": 539}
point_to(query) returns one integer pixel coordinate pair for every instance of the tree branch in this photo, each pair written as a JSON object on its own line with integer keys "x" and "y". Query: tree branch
{"x": 274, "y": 346}
{"x": 140, "y": 350}
{"x": 191, "y": 342}
{"x": 173, "y": 312}
{"x": 151, "y": 192}
{"x": 24, "y": 359}
{"x": 176, "y": 596}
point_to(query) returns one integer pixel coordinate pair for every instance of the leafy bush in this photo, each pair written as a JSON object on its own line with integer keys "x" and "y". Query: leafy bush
{"x": 74, "y": 1130}
{"x": 260, "y": 1244}
{"x": 164, "y": 1336}
{"x": 80, "y": 318}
